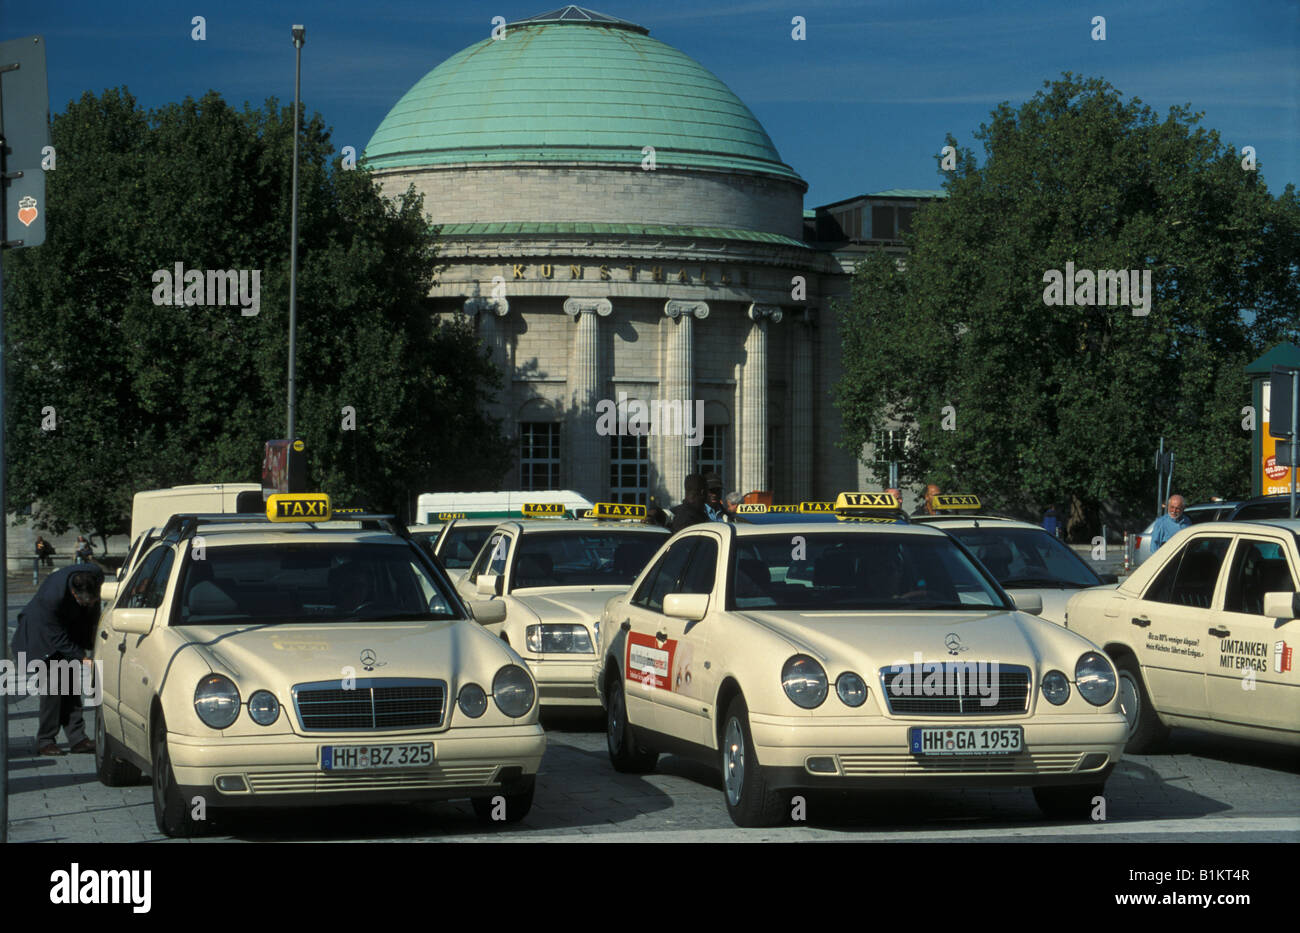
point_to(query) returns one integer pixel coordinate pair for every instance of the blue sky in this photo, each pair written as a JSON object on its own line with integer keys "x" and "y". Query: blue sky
{"x": 863, "y": 104}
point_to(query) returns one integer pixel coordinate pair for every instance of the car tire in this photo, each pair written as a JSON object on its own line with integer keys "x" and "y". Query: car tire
{"x": 518, "y": 801}
{"x": 1146, "y": 731}
{"x": 1071, "y": 802}
{"x": 112, "y": 772}
{"x": 620, "y": 738}
{"x": 171, "y": 812}
{"x": 750, "y": 802}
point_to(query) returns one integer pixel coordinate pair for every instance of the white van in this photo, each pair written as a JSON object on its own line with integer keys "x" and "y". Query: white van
{"x": 434, "y": 507}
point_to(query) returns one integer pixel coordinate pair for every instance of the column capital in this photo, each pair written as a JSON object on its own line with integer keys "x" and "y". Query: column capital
{"x": 675, "y": 308}
{"x": 758, "y": 312}
{"x": 498, "y": 306}
{"x": 576, "y": 306}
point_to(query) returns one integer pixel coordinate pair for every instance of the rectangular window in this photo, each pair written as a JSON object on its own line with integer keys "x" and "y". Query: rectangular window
{"x": 710, "y": 456}
{"x": 539, "y": 455}
{"x": 905, "y": 219}
{"x": 856, "y": 232}
{"x": 629, "y": 468}
{"x": 882, "y": 223}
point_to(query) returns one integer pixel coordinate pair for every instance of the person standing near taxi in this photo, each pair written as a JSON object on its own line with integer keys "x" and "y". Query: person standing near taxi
{"x": 1169, "y": 524}
{"x": 927, "y": 507}
{"x": 691, "y": 511}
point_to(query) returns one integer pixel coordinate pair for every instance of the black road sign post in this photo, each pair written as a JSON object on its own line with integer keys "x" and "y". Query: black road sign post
{"x": 24, "y": 140}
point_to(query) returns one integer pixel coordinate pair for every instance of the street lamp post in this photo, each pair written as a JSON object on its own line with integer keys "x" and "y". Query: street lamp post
{"x": 299, "y": 37}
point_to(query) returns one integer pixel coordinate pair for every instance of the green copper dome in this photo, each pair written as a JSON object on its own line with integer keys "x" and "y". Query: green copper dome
{"x": 573, "y": 86}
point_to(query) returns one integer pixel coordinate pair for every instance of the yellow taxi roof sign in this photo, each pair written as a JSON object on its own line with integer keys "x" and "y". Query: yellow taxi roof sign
{"x": 816, "y": 506}
{"x": 783, "y": 508}
{"x": 448, "y": 516}
{"x": 543, "y": 509}
{"x": 298, "y": 507}
{"x": 956, "y": 501}
{"x": 616, "y": 510}
{"x": 751, "y": 508}
{"x": 875, "y": 501}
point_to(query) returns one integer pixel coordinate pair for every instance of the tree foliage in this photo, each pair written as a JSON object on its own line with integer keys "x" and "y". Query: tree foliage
{"x": 1066, "y": 403}
{"x": 149, "y": 395}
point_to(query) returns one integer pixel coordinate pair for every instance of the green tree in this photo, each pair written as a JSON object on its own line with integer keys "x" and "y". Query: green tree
{"x": 150, "y": 395}
{"x": 1056, "y": 403}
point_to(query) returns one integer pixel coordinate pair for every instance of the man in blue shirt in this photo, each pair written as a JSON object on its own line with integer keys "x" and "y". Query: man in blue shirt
{"x": 1169, "y": 524}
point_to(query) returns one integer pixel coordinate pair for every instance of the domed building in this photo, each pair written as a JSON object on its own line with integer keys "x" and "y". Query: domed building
{"x": 631, "y": 247}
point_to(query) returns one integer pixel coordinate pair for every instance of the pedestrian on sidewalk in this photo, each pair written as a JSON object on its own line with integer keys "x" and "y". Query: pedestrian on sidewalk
{"x": 44, "y": 551}
{"x": 927, "y": 507}
{"x": 1169, "y": 524}
{"x": 59, "y": 625}
{"x": 691, "y": 511}
{"x": 84, "y": 550}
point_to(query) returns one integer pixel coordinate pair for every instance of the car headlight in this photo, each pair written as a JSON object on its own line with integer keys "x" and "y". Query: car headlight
{"x": 557, "y": 639}
{"x": 216, "y": 700}
{"x": 1095, "y": 678}
{"x": 472, "y": 701}
{"x": 1056, "y": 687}
{"x": 263, "y": 707}
{"x": 851, "y": 689}
{"x": 512, "y": 689}
{"x": 804, "y": 681}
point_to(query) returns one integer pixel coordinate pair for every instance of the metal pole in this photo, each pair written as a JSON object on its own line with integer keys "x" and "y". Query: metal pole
{"x": 1160, "y": 472}
{"x": 1169, "y": 477}
{"x": 299, "y": 36}
{"x": 4, "y": 530}
{"x": 1295, "y": 406}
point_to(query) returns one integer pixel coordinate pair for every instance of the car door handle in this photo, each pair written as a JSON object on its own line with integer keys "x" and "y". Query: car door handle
{"x": 1141, "y": 621}
{"x": 627, "y": 625}
{"x": 1220, "y": 632}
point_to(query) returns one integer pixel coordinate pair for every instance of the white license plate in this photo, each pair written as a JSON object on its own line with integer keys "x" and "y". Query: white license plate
{"x": 964, "y": 740}
{"x": 372, "y": 757}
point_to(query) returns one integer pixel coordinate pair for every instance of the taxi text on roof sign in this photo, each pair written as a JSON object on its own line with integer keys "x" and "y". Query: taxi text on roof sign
{"x": 298, "y": 507}
{"x": 536, "y": 509}
{"x": 783, "y": 508}
{"x": 751, "y": 508}
{"x": 616, "y": 510}
{"x": 448, "y": 516}
{"x": 816, "y": 506}
{"x": 956, "y": 501}
{"x": 865, "y": 500}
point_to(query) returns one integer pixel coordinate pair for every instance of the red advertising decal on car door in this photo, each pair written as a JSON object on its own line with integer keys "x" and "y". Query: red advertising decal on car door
{"x": 649, "y": 660}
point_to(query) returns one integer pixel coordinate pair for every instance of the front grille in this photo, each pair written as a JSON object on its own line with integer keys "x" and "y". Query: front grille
{"x": 372, "y": 705}
{"x": 963, "y": 688}
{"x": 890, "y": 764}
{"x": 297, "y": 782}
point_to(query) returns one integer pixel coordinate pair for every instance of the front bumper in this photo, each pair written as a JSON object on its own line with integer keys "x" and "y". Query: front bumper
{"x": 564, "y": 683}
{"x": 284, "y": 770}
{"x": 1057, "y": 750}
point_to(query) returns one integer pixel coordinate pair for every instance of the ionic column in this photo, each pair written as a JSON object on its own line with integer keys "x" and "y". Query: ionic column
{"x": 675, "y": 454}
{"x": 800, "y": 423}
{"x": 753, "y": 400}
{"x": 588, "y": 450}
{"x": 495, "y": 336}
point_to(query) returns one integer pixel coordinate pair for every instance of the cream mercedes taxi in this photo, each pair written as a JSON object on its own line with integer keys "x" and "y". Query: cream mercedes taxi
{"x": 1203, "y": 634}
{"x": 553, "y": 578}
{"x": 307, "y": 662}
{"x": 849, "y": 656}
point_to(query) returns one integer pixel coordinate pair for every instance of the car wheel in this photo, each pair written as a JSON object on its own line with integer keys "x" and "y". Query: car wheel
{"x": 170, "y": 810}
{"x": 1072, "y": 802}
{"x": 1145, "y": 730}
{"x": 112, "y": 772}
{"x": 750, "y": 802}
{"x": 620, "y": 738}
{"x": 517, "y": 801}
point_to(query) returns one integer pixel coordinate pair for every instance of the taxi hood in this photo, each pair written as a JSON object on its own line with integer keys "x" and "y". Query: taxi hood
{"x": 565, "y": 604}
{"x": 872, "y": 640}
{"x": 281, "y": 655}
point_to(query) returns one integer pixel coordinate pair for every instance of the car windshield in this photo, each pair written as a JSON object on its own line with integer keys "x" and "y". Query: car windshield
{"x": 462, "y": 544}
{"x": 1026, "y": 557}
{"x": 318, "y": 582}
{"x": 846, "y": 572}
{"x": 583, "y": 557}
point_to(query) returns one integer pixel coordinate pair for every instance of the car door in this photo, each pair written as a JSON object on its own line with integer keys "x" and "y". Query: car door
{"x": 1175, "y": 613}
{"x": 647, "y": 653}
{"x": 492, "y": 558}
{"x": 1250, "y": 677}
{"x": 143, "y": 660}
{"x": 684, "y": 706}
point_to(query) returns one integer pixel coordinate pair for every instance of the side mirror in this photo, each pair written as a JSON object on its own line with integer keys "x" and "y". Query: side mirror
{"x": 488, "y": 611}
{"x": 1282, "y": 605}
{"x": 689, "y": 606}
{"x": 489, "y": 584}
{"x": 132, "y": 621}
{"x": 1028, "y": 602}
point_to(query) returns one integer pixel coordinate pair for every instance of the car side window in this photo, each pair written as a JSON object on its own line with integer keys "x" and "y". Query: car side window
{"x": 647, "y": 583}
{"x": 1190, "y": 577}
{"x": 1258, "y": 567}
{"x": 490, "y": 556}
{"x": 135, "y": 593}
{"x": 157, "y": 589}
{"x": 703, "y": 567}
{"x": 664, "y": 579}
